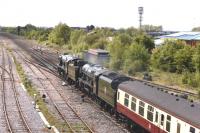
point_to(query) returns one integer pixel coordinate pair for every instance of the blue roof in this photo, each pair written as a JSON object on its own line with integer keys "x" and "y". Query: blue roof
{"x": 184, "y": 36}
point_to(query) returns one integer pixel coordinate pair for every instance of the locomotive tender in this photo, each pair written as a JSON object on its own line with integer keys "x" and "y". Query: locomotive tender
{"x": 132, "y": 101}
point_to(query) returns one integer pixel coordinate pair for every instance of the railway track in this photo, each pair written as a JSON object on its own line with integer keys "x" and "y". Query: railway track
{"x": 110, "y": 117}
{"x": 64, "y": 109}
{"x": 8, "y": 123}
{"x": 11, "y": 118}
{"x": 55, "y": 74}
{"x": 46, "y": 62}
{"x": 102, "y": 112}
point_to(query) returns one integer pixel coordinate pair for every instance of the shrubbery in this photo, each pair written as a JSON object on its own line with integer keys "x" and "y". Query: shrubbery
{"x": 178, "y": 57}
{"x": 131, "y": 50}
{"x": 60, "y": 35}
{"x": 129, "y": 55}
{"x": 174, "y": 56}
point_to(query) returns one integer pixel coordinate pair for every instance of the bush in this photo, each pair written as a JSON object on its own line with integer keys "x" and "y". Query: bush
{"x": 101, "y": 43}
{"x": 193, "y": 82}
{"x": 183, "y": 59}
{"x": 136, "y": 59}
{"x": 70, "y": 47}
{"x": 192, "y": 79}
{"x": 196, "y": 58}
{"x": 185, "y": 77}
{"x": 79, "y": 48}
{"x": 174, "y": 56}
{"x": 199, "y": 94}
{"x": 60, "y": 34}
{"x": 76, "y": 36}
{"x": 136, "y": 66}
{"x": 144, "y": 40}
{"x": 125, "y": 39}
{"x": 117, "y": 51}
{"x": 92, "y": 38}
{"x": 116, "y": 64}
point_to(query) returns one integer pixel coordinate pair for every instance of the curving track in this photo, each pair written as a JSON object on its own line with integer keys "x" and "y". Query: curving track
{"x": 67, "y": 113}
{"x": 60, "y": 91}
{"x": 15, "y": 119}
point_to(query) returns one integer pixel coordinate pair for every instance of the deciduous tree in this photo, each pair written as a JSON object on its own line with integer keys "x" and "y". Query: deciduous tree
{"x": 60, "y": 34}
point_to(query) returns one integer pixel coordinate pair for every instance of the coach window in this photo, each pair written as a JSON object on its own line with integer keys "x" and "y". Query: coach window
{"x": 118, "y": 94}
{"x": 162, "y": 119}
{"x": 156, "y": 120}
{"x": 141, "y": 108}
{"x": 133, "y": 104}
{"x": 178, "y": 128}
{"x": 126, "y": 100}
{"x": 150, "y": 113}
{"x": 192, "y": 130}
{"x": 168, "y": 123}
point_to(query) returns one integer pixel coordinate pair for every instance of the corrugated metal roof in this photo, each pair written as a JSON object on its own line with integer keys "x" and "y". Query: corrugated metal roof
{"x": 197, "y": 37}
{"x": 184, "y": 36}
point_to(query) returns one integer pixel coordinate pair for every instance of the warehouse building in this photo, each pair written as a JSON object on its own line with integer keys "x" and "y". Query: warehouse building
{"x": 191, "y": 38}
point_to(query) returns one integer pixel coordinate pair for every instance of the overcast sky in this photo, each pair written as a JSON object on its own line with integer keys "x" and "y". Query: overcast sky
{"x": 171, "y": 14}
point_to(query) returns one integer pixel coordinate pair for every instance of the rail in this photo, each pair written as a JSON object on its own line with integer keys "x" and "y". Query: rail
{"x": 10, "y": 73}
{"x": 3, "y": 95}
{"x": 55, "y": 105}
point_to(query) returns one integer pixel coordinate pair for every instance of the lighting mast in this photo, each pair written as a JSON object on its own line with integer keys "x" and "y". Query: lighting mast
{"x": 140, "y": 10}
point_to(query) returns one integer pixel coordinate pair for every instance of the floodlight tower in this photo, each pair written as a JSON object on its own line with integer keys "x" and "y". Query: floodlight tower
{"x": 140, "y": 10}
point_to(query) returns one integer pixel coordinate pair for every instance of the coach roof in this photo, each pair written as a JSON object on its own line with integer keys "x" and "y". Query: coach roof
{"x": 173, "y": 105}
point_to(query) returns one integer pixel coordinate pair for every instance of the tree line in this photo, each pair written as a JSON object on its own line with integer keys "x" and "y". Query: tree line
{"x": 131, "y": 49}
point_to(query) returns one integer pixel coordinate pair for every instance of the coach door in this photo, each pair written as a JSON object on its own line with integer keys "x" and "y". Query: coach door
{"x": 156, "y": 121}
{"x": 178, "y": 128}
{"x": 161, "y": 122}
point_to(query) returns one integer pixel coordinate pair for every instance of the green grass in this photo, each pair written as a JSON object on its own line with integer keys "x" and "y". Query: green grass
{"x": 171, "y": 79}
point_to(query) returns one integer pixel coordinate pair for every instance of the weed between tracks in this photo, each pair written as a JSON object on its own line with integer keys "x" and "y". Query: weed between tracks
{"x": 42, "y": 105}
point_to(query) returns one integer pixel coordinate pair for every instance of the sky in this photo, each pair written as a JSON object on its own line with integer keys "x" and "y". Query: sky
{"x": 175, "y": 15}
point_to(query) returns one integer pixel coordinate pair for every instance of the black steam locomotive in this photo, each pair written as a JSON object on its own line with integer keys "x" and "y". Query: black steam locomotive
{"x": 96, "y": 81}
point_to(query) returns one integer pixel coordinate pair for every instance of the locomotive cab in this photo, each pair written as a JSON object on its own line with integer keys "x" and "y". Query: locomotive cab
{"x": 73, "y": 69}
{"x": 107, "y": 90}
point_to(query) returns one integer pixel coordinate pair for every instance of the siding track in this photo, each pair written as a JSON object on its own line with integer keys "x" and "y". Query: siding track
{"x": 64, "y": 109}
{"x": 14, "y": 116}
